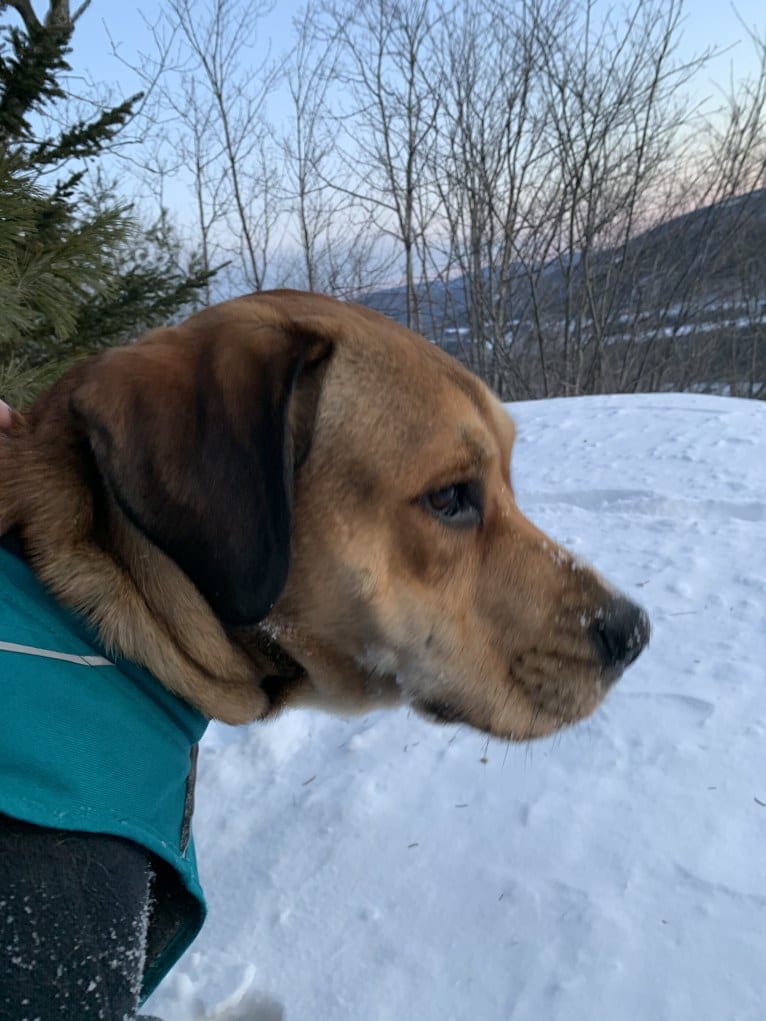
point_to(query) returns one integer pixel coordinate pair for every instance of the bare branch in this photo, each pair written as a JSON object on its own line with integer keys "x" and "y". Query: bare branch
{"x": 24, "y": 8}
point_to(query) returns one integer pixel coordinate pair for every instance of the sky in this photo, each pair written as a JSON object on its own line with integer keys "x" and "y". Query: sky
{"x": 707, "y": 23}
{"x": 111, "y": 38}
{"x": 106, "y": 27}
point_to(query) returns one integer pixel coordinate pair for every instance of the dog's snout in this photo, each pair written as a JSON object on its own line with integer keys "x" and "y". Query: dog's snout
{"x": 620, "y": 633}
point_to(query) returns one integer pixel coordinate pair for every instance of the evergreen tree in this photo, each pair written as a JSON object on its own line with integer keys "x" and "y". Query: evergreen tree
{"x": 77, "y": 272}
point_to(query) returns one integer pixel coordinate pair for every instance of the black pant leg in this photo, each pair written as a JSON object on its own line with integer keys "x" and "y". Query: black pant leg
{"x": 74, "y": 911}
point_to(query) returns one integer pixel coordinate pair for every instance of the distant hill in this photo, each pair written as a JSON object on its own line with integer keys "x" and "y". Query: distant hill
{"x": 716, "y": 245}
{"x": 695, "y": 283}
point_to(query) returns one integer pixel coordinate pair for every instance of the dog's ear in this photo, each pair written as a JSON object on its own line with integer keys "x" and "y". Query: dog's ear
{"x": 197, "y": 437}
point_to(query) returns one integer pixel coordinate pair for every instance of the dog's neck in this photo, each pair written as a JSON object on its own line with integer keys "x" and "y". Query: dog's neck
{"x": 278, "y": 670}
{"x": 281, "y": 671}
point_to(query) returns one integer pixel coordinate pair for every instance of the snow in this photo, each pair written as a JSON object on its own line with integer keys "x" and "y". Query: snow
{"x": 386, "y": 869}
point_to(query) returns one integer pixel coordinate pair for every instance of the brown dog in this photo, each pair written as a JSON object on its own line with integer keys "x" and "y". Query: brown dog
{"x": 291, "y": 500}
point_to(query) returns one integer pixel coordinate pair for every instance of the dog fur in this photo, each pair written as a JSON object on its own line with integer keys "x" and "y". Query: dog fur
{"x": 287, "y": 500}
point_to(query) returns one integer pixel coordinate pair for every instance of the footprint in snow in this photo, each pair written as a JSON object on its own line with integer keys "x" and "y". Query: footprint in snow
{"x": 255, "y": 1008}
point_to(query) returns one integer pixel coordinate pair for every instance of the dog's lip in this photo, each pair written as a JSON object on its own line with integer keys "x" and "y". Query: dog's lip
{"x": 441, "y": 711}
{"x": 610, "y": 676}
{"x": 545, "y": 703}
{"x": 575, "y": 688}
{"x": 542, "y": 722}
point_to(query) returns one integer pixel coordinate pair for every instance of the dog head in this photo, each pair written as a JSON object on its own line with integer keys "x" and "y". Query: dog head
{"x": 336, "y": 491}
{"x": 415, "y": 576}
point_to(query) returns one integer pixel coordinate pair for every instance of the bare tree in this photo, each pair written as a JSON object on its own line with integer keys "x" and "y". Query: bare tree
{"x": 213, "y": 82}
{"x": 309, "y": 146}
{"x": 491, "y": 169}
{"x": 564, "y": 140}
{"x": 530, "y": 177}
{"x": 387, "y": 99}
{"x": 335, "y": 234}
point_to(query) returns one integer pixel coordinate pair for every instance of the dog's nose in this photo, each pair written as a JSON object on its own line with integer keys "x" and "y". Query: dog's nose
{"x": 620, "y": 633}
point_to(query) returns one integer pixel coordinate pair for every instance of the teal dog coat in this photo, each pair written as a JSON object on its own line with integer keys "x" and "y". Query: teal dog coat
{"x": 96, "y": 744}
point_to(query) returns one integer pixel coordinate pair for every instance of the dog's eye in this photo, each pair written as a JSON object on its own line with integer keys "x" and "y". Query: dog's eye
{"x": 458, "y": 505}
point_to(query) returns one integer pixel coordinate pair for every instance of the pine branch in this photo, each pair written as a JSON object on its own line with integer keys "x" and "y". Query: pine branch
{"x": 85, "y": 139}
{"x": 77, "y": 273}
{"x": 29, "y": 78}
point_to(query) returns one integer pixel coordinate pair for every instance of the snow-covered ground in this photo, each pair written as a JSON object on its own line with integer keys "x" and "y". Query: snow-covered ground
{"x": 386, "y": 869}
